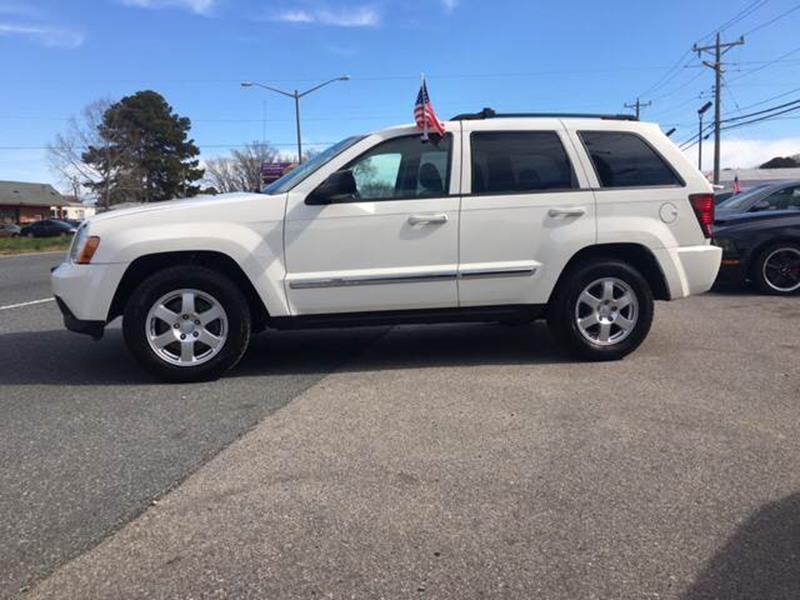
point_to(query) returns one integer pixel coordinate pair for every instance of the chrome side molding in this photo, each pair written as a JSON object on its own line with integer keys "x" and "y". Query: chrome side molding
{"x": 358, "y": 280}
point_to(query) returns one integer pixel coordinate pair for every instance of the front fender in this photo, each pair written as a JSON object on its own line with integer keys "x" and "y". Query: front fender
{"x": 256, "y": 248}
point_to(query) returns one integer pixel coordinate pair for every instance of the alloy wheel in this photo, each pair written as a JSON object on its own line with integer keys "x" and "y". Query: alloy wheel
{"x": 781, "y": 270}
{"x": 606, "y": 311}
{"x": 186, "y": 327}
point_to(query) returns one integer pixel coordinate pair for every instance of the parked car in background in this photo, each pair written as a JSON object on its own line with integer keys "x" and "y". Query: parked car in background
{"x": 48, "y": 228}
{"x": 762, "y": 248}
{"x": 9, "y": 230}
{"x": 724, "y": 196}
{"x": 769, "y": 197}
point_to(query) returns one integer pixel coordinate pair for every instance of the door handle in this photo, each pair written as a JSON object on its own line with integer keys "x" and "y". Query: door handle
{"x": 566, "y": 212}
{"x": 427, "y": 219}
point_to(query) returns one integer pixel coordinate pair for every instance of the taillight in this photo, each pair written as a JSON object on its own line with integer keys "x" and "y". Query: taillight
{"x": 703, "y": 205}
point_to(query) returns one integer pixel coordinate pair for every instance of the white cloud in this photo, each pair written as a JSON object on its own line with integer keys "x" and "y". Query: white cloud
{"x": 53, "y": 37}
{"x": 200, "y": 7}
{"x": 450, "y": 5}
{"x": 358, "y": 16}
{"x": 745, "y": 153}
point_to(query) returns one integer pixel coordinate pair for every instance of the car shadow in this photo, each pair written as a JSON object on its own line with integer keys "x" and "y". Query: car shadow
{"x": 760, "y": 561}
{"x": 59, "y": 357}
{"x": 734, "y": 289}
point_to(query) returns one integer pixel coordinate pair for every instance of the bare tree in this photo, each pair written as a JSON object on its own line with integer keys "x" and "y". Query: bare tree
{"x": 221, "y": 175}
{"x": 240, "y": 172}
{"x": 65, "y": 154}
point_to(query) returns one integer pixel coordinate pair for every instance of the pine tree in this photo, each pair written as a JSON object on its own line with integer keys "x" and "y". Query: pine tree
{"x": 147, "y": 153}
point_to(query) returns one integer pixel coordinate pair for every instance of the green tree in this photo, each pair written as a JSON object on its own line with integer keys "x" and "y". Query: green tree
{"x": 147, "y": 154}
{"x": 781, "y": 162}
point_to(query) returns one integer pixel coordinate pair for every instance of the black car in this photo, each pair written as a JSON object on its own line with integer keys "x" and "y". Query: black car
{"x": 763, "y": 198}
{"x": 760, "y": 247}
{"x": 48, "y": 228}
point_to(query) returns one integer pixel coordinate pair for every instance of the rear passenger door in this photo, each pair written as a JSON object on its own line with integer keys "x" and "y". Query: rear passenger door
{"x": 527, "y": 208}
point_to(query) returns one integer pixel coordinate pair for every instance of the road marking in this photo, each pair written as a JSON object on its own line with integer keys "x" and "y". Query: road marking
{"x": 31, "y": 303}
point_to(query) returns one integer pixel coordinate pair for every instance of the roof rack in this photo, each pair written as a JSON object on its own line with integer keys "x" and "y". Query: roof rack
{"x": 489, "y": 113}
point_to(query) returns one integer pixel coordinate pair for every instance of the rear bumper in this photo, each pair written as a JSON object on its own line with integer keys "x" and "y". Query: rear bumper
{"x": 690, "y": 270}
{"x": 71, "y": 322}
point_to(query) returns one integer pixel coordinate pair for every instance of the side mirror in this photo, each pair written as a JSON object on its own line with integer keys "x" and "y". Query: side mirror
{"x": 338, "y": 187}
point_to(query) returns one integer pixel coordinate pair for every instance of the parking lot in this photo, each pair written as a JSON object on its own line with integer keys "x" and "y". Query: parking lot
{"x": 452, "y": 461}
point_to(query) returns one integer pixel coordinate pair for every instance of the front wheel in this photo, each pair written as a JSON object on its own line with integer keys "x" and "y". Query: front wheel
{"x": 602, "y": 310}
{"x": 187, "y": 323}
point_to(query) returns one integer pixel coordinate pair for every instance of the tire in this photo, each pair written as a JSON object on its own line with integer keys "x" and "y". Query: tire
{"x": 618, "y": 328}
{"x": 153, "y": 335}
{"x": 776, "y": 271}
{"x": 29, "y": 235}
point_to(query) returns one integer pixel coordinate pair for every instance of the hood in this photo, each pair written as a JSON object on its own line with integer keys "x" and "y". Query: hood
{"x": 183, "y": 204}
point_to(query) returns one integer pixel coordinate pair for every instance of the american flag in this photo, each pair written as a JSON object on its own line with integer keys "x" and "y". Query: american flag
{"x": 424, "y": 114}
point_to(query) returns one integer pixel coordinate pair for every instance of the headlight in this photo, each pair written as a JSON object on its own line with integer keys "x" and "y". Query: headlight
{"x": 83, "y": 246}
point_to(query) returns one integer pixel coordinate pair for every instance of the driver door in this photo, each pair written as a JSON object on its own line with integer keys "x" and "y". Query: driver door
{"x": 391, "y": 246}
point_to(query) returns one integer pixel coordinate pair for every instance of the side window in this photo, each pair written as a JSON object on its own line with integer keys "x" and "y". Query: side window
{"x": 518, "y": 162}
{"x": 403, "y": 168}
{"x": 626, "y": 160}
{"x": 786, "y": 199}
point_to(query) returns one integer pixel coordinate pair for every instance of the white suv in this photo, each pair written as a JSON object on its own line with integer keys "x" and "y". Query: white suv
{"x": 582, "y": 220}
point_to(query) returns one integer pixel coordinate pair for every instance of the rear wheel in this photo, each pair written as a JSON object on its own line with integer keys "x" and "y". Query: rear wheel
{"x": 602, "y": 310}
{"x": 187, "y": 323}
{"x": 777, "y": 269}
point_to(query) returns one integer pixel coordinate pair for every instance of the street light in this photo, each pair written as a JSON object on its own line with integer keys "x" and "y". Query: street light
{"x": 296, "y": 95}
{"x": 700, "y": 112}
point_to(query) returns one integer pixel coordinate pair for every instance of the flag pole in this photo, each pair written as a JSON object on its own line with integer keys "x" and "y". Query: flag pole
{"x": 424, "y": 109}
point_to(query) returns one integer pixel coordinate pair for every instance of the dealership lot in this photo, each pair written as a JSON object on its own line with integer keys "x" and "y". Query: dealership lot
{"x": 446, "y": 462}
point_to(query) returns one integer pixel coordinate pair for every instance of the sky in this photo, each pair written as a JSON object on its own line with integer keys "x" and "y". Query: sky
{"x": 521, "y": 55}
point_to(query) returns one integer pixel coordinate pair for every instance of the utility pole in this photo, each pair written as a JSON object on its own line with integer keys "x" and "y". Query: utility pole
{"x": 638, "y": 105}
{"x": 718, "y": 50}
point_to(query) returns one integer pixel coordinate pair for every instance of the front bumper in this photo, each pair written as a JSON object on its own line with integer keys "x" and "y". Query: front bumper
{"x": 86, "y": 290}
{"x": 71, "y": 322}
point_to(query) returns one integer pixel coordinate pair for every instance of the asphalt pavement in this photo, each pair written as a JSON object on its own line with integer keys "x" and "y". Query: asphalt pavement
{"x": 453, "y": 461}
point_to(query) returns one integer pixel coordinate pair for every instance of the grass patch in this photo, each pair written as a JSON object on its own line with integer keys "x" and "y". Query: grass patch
{"x": 19, "y": 245}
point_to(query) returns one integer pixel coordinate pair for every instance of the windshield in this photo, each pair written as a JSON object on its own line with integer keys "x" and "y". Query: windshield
{"x": 740, "y": 200}
{"x": 298, "y": 174}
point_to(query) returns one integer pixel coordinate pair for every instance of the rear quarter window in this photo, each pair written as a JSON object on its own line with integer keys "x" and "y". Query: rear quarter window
{"x": 623, "y": 159}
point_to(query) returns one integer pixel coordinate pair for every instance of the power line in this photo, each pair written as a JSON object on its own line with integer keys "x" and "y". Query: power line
{"x": 237, "y": 145}
{"x": 771, "y": 21}
{"x": 747, "y": 119}
{"x": 763, "y": 118}
{"x": 765, "y": 65}
{"x": 676, "y": 68}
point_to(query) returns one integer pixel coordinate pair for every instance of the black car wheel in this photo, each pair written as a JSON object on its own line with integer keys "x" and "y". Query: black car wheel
{"x": 602, "y": 310}
{"x": 777, "y": 269}
{"x": 187, "y": 323}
